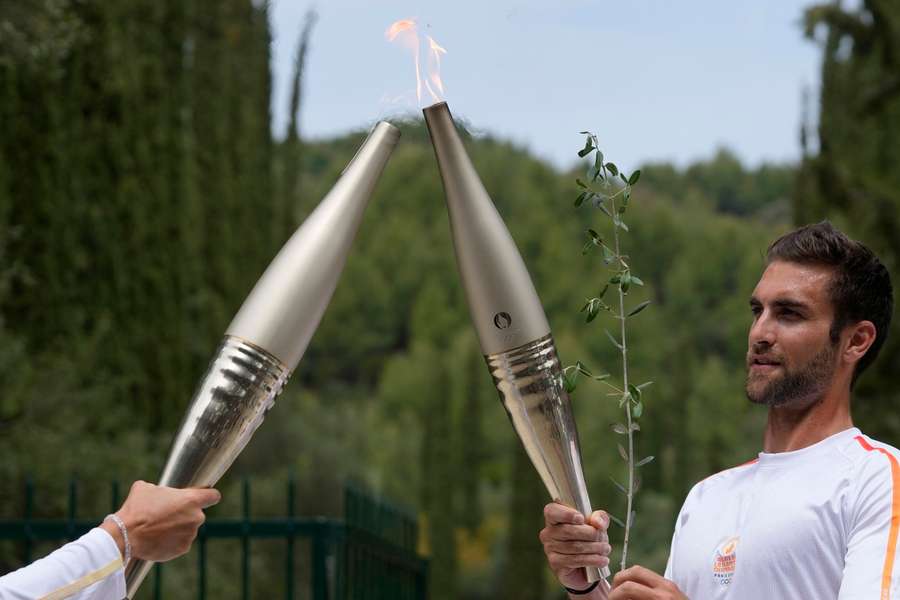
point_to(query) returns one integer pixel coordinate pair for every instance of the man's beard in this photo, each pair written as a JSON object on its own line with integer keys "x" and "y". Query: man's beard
{"x": 797, "y": 388}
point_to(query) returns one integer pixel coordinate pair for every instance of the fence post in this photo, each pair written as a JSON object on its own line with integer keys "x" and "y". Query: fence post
{"x": 319, "y": 569}
{"x": 29, "y": 508}
{"x": 72, "y": 509}
{"x": 201, "y": 566}
{"x": 245, "y": 540}
{"x": 289, "y": 555}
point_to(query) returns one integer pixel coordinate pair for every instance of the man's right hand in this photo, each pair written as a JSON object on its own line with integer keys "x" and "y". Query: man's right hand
{"x": 570, "y": 543}
{"x": 162, "y": 522}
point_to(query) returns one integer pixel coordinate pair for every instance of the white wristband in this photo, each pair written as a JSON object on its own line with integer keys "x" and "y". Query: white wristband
{"x": 121, "y": 525}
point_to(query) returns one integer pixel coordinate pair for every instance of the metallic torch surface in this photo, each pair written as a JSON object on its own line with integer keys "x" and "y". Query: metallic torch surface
{"x": 510, "y": 322}
{"x": 271, "y": 331}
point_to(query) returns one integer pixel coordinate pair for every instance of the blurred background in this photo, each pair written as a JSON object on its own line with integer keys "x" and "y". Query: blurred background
{"x": 154, "y": 155}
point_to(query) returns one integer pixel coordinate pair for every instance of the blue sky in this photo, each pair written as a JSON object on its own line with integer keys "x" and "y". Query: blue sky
{"x": 656, "y": 79}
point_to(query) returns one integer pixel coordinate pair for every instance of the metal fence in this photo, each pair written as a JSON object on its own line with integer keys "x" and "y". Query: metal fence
{"x": 370, "y": 554}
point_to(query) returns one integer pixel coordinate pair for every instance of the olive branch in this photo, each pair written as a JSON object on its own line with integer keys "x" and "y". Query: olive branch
{"x": 607, "y": 189}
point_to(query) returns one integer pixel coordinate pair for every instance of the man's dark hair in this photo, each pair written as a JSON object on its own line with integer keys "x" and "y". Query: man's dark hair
{"x": 860, "y": 286}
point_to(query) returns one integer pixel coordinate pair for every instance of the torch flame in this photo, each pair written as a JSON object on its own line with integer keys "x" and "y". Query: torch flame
{"x": 407, "y": 31}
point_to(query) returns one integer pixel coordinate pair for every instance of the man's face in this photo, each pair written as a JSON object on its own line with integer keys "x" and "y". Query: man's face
{"x": 791, "y": 358}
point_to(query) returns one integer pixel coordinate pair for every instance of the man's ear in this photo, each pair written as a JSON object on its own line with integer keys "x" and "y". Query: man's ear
{"x": 860, "y": 338}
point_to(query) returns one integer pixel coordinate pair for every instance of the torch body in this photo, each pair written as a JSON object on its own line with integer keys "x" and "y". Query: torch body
{"x": 270, "y": 332}
{"x": 510, "y": 323}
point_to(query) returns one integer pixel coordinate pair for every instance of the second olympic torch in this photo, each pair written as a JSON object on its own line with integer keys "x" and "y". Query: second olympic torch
{"x": 511, "y": 325}
{"x": 271, "y": 331}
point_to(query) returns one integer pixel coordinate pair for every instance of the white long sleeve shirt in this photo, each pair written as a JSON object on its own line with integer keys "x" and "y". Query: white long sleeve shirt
{"x": 90, "y": 568}
{"x": 820, "y": 523}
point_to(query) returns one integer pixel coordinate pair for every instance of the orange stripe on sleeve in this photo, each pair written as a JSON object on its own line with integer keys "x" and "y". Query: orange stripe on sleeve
{"x": 895, "y": 518}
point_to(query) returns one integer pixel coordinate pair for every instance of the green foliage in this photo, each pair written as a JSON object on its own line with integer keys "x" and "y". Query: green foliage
{"x": 852, "y": 174}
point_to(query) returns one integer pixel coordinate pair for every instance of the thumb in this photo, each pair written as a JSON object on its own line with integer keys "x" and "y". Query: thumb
{"x": 207, "y": 497}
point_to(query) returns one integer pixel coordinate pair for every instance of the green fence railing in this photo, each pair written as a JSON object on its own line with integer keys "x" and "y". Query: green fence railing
{"x": 370, "y": 554}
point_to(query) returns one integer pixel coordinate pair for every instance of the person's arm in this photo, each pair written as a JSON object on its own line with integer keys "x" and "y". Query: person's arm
{"x": 871, "y": 567}
{"x": 91, "y": 564}
{"x": 161, "y": 523}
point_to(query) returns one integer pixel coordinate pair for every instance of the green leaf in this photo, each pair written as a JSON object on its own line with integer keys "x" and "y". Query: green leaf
{"x": 583, "y": 369}
{"x": 615, "y": 279}
{"x": 635, "y": 393}
{"x": 622, "y": 452}
{"x": 634, "y": 177}
{"x": 635, "y": 427}
{"x": 602, "y": 377}
{"x": 598, "y": 161}
{"x": 638, "y": 410}
{"x": 594, "y": 235}
{"x": 569, "y": 382}
{"x": 608, "y": 255}
{"x": 603, "y": 291}
{"x": 622, "y": 177}
{"x": 613, "y": 339}
{"x": 581, "y": 184}
{"x": 619, "y": 486}
{"x": 636, "y": 280}
{"x": 644, "y": 461}
{"x": 616, "y": 520}
{"x": 620, "y": 429}
{"x": 586, "y": 304}
{"x": 581, "y": 198}
{"x": 588, "y": 147}
{"x": 593, "y": 310}
{"x": 639, "y": 307}
{"x": 612, "y": 168}
{"x": 644, "y": 385}
{"x": 602, "y": 207}
{"x": 585, "y": 132}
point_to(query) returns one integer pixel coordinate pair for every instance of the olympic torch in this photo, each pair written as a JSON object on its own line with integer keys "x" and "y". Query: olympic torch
{"x": 271, "y": 331}
{"x": 512, "y": 329}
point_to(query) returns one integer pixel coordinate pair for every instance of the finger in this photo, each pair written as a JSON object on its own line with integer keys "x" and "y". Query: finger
{"x": 575, "y": 561}
{"x": 600, "y": 548}
{"x": 573, "y": 533}
{"x": 631, "y": 590}
{"x": 599, "y": 519}
{"x": 206, "y": 497}
{"x": 640, "y": 575}
{"x": 560, "y": 514}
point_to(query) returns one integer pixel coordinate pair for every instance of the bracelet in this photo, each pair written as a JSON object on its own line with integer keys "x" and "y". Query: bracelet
{"x": 587, "y": 590}
{"x": 121, "y": 525}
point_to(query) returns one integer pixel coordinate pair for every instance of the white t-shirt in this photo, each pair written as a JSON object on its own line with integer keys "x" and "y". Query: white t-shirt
{"x": 90, "y": 568}
{"x": 819, "y": 523}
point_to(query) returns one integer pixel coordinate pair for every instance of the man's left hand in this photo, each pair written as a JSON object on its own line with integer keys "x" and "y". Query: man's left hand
{"x": 638, "y": 583}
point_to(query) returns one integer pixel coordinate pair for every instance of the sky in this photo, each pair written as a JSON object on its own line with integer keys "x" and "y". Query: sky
{"x": 657, "y": 80}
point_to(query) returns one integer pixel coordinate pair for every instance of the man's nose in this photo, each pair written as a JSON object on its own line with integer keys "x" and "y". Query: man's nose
{"x": 762, "y": 332}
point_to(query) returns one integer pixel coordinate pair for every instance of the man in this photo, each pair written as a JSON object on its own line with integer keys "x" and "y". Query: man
{"x": 155, "y": 523}
{"x": 816, "y": 515}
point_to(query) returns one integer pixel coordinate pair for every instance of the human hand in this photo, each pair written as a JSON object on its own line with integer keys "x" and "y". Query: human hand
{"x": 638, "y": 583}
{"x": 572, "y": 543}
{"x": 162, "y": 522}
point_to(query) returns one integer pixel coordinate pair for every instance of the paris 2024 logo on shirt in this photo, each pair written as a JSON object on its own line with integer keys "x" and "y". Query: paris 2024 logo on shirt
{"x": 725, "y": 560}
